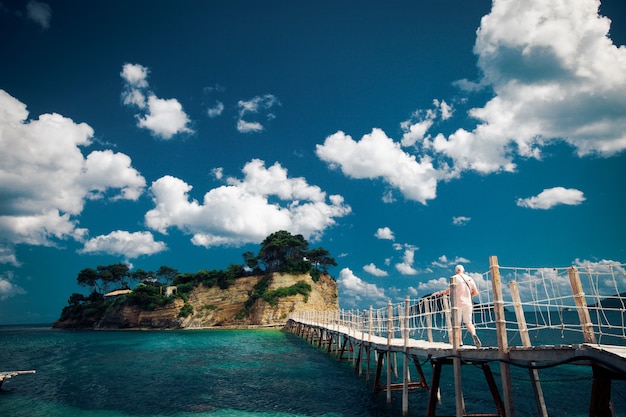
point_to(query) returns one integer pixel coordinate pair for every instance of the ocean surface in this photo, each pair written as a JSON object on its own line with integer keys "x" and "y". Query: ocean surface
{"x": 224, "y": 373}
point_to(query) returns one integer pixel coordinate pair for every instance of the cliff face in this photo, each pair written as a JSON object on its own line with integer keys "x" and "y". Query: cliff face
{"x": 223, "y": 307}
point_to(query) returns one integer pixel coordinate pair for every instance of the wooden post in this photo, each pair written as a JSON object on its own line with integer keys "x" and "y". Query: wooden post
{"x": 446, "y": 310}
{"x": 434, "y": 389}
{"x": 429, "y": 320}
{"x": 601, "y": 403}
{"x": 523, "y": 331}
{"x": 405, "y": 380}
{"x": 581, "y": 305}
{"x": 370, "y": 328}
{"x": 503, "y": 343}
{"x": 389, "y": 331}
{"x": 456, "y": 360}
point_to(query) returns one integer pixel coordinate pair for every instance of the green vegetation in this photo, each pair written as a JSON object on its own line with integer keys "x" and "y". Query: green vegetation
{"x": 300, "y": 288}
{"x": 280, "y": 252}
{"x": 186, "y": 311}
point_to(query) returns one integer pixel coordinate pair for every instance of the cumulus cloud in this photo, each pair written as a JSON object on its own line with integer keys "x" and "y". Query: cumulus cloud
{"x": 556, "y": 76}
{"x": 374, "y": 270}
{"x": 39, "y": 12}
{"x": 45, "y": 179}
{"x": 354, "y": 291}
{"x": 416, "y": 128}
{"x": 245, "y": 210}
{"x": 259, "y": 105}
{"x": 553, "y": 197}
{"x": 377, "y": 156}
{"x": 164, "y": 118}
{"x": 384, "y": 233}
{"x": 123, "y": 243}
{"x": 406, "y": 266}
{"x": 7, "y": 288}
{"x": 553, "y": 74}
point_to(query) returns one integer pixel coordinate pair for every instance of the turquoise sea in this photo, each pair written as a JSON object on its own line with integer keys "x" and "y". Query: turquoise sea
{"x": 223, "y": 373}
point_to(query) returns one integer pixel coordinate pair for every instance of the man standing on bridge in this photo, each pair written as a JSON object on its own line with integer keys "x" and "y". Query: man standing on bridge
{"x": 465, "y": 290}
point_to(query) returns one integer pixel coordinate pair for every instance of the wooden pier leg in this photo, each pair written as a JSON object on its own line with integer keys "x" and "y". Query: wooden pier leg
{"x": 388, "y": 375}
{"x": 406, "y": 378}
{"x": 343, "y": 348}
{"x": 330, "y": 342}
{"x": 601, "y": 402}
{"x": 357, "y": 364}
{"x": 542, "y": 410}
{"x": 368, "y": 357}
{"x": 420, "y": 372}
{"x": 379, "y": 369}
{"x": 495, "y": 394}
{"x": 434, "y": 389}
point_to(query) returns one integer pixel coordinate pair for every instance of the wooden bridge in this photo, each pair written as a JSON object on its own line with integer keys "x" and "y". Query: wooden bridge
{"x": 5, "y": 375}
{"x": 426, "y": 331}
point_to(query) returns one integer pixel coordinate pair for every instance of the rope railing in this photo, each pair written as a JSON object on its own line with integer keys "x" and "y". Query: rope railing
{"x": 546, "y": 297}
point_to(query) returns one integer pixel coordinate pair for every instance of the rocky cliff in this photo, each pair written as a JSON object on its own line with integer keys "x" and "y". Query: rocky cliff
{"x": 232, "y": 306}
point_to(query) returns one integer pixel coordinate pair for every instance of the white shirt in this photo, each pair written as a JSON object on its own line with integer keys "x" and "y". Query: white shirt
{"x": 464, "y": 291}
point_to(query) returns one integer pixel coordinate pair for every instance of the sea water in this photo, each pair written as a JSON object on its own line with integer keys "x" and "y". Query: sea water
{"x": 224, "y": 373}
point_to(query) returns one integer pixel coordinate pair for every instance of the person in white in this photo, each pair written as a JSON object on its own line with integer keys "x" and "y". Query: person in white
{"x": 465, "y": 290}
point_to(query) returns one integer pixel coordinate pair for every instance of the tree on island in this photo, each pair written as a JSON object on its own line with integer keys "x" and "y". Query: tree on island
{"x": 283, "y": 252}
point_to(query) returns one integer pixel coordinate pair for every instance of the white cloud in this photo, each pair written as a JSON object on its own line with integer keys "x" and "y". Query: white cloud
{"x": 610, "y": 275}
{"x": 384, "y": 233}
{"x": 372, "y": 269}
{"x": 129, "y": 245}
{"x": 105, "y": 169}
{"x": 241, "y": 212}
{"x": 216, "y": 110}
{"x": 135, "y": 75}
{"x": 218, "y": 173}
{"x": 416, "y": 128}
{"x": 556, "y": 76}
{"x": 249, "y": 127}
{"x": 551, "y": 197}
{"x": 257, "y": 105}
{"x": 40, "y": 13}
{"x": 461, "y": 220}
{"x": 444, "y": 262}
{"x": 7, "y": 288}
{"x": 45, "y": 179}
{"x": 406, "y": 266}
{"x": 553, "y": 74}
{"x": 354, "y": 291}
{"x": 377, "y": 156}
{"x": 164, "y": 118}
{"x": 433, "y": 285}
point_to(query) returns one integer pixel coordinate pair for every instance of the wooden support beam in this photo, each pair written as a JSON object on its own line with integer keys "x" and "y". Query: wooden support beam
{"x": 542, "y": 410}
{"x": 503, "y": 343}
{"x": 601, "y": 404}
{"x": 581, "y": 305}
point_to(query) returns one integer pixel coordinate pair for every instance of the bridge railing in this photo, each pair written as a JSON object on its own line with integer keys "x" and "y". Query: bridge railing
{"x": 583, "y": 303}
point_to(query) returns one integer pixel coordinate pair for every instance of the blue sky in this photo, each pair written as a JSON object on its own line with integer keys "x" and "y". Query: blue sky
{"x": 402, "y": 136}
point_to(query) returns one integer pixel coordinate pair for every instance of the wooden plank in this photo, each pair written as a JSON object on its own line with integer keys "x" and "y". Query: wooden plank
{"x": 503, "y": 344}
{"x": 10, "y": 374}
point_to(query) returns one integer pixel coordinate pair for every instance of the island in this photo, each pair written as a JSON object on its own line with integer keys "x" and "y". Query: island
{"x": 285, "y": 276}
